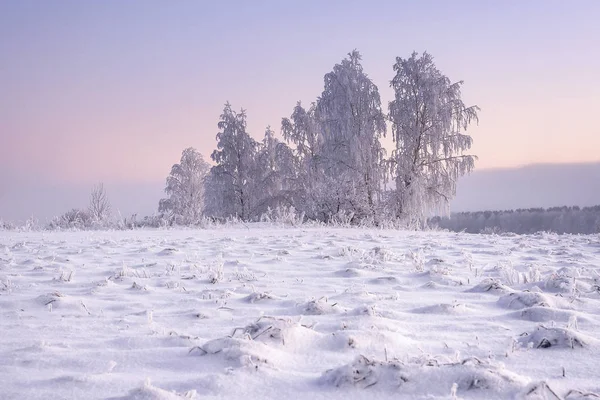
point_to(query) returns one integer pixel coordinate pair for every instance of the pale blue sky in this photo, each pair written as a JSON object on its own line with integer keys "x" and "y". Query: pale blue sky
{"x": 114, "y": 90}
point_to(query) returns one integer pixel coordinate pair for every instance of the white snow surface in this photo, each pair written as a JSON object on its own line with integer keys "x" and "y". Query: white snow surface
{"x": 263, "y": 312}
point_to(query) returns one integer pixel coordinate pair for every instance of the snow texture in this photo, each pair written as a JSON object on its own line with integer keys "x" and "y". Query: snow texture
{"x": 308, "y": 313}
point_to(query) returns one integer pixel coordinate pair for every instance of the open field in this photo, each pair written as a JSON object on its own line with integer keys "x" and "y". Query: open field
{"x": 302, "y": 313}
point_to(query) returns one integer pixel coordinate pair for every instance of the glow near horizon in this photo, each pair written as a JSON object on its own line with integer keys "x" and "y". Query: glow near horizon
{"x": 115, "y": 91}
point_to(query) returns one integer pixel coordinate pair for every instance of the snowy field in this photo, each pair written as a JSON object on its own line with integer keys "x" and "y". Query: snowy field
{"x": 315, "y": 313}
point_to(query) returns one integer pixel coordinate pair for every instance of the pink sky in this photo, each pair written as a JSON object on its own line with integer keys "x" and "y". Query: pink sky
{"x": 113, "y": 91}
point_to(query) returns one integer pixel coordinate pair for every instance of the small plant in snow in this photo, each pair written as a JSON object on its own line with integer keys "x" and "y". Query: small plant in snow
{"x": 244, "y": 275}
{"x": 573, "y": 324}
{"x": 66, "y": 276}
{"x": 417, "y": 259}
{"x": 440, "y": 270}
{"x": 453, "y": 391}
{"x": 122, "y": 273}
{"x": 580, "y": 395}
{"x": 560, "y": 282}
{"x": 215, "y": 272}
{"x": 351, "y": 253}
{"x": 342, "y": 219}
{"x": 508, "y": 273}
{"x": 541, "y": 390}
{"x": 469, "y": 260}
{"x": 534, "y": 274}
{"x": 7, "y": 285}
{"x": 137, "y": 286}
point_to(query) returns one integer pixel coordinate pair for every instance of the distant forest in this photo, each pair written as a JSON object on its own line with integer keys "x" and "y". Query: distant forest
{"x": 576, "y": 220}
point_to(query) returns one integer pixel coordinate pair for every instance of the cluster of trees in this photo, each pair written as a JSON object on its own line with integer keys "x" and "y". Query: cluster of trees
{"x": 584, "y": 220}
{"x": 331, "y": 164}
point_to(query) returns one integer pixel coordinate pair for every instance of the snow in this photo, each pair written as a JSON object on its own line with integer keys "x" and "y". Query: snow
{"x": 305, "y": 313}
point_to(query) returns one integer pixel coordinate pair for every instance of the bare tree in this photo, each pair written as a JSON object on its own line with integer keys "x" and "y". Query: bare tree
{"x": 99, "y": 207}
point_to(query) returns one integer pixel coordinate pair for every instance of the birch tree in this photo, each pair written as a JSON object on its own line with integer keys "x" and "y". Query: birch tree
{"x": 99, "y": 207}
{"x": 352, "y": 124}
{"x": 303, "y": 132}
{"x": 429, "y": 120}
{"x": 231, "y": 182}
{"x": 185, "y": 188}
{"x": 275, "y": 175}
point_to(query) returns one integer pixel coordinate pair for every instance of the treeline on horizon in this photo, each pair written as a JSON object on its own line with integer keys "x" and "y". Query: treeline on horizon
{"x": 522, "y": 221}
{"x": 561, "y": 220}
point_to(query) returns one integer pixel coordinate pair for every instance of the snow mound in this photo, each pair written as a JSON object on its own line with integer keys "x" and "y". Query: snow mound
{"x": 259, "y": 342}
{"x": 544, "y": 337}
{"x": 58, "y": 300}
{"x": 384, "y": 280}
{"x": 318, "y": 307}
{"x": 490, "y": 285}
{"x": 520, "y": 300}
{"x": 168, "y": 251}
{"x": 149, "y": 392}
{"x": 368, "y": 310}
{"x": 431, "y": 285}
{"x": 242, "y": 352}
{"x": 258, "y": 296}
{"x": 348, "y": 273}
{"x": 470, "y": 374}
{"x": 266, "y": 328}
{"x": 567, "y": 281}
{"x": 543, "y": 314}
{"x": 363, "y": 373}
{"x": 449, "y": 309}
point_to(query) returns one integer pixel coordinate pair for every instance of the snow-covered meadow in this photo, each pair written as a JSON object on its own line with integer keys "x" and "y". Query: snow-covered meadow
{"x": 305, "y": 313}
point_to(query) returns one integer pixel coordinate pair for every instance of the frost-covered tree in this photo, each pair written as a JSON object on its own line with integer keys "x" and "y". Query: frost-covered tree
{"x": 73, "y": 219}
{"x": 351, "y": 123}
{"x": 428, "y": 122}
{"x": 275, "y": 175}
{"x": 99, "y": 208}
{"x": 185, "y": 188}
{"x": 303, "y": 132}
{"x": 231, "y": 181}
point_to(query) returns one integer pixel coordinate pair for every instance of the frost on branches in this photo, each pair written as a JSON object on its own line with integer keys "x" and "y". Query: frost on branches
{"x": 231, "y": 181}
{"x": 332, "y": 166}
{"x": 337, "y": 146}
{"x": 352, "y": 122}
{"x": 185, "y": 188}
{"x": 275, "y": 175}
{"x": 99, "y": 209}
{"x": 428, "y": 123}
{"x": 302, "y": 131}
